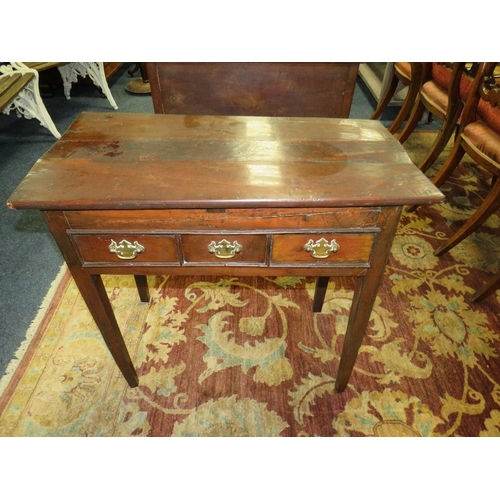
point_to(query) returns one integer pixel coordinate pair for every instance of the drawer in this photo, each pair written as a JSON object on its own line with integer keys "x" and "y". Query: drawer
{"x": 126, "y": 248}
{"x": 224, "y": 249}
{"x": 325, "y": 248}
{"x": 235, "y": 219}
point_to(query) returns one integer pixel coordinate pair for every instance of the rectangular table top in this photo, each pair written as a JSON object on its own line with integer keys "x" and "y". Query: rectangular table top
{"x": 150, "y": 161}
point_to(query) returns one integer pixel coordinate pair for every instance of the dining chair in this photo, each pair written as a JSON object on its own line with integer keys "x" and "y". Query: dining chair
{"x": 479, "y": 137}
{"x": 488, "y": 288}
{"x": 443, "y": 91}
{"x": 401, "y": 73}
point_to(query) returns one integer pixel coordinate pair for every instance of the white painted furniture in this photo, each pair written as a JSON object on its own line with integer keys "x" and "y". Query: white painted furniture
{"x": 20, "y": 87}
{"x": 95, "y": 70}
{"x": 20, "y": 92}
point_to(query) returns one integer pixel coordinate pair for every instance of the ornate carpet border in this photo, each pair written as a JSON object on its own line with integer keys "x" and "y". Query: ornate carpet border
{"x": 36, "y": 328}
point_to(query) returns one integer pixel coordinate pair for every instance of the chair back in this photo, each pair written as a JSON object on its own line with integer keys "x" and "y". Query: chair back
{"x": 480, "y": 127}
{"x": 489, "y": 97}
{"x": 483, "y": 103}
{"x": 445, "y": 87}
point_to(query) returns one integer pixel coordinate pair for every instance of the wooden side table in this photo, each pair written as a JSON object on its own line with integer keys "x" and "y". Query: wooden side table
{"x": 224, "y": 195}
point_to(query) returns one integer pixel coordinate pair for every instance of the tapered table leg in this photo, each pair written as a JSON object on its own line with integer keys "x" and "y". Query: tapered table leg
{"x": 319, "y": 293}
{"x": 95, "y": 296}
{"x": 364, "y": 298}
{"x": 141, "y": 282}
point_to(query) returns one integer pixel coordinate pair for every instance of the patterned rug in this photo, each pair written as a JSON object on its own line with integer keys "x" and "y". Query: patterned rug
{"x": 247, "y": 357}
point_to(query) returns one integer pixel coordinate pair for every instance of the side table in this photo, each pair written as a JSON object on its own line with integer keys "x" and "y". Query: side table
{"x": 224, "y": 195}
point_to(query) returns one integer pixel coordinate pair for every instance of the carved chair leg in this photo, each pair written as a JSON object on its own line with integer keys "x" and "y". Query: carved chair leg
{"x": 404, "y": 112}
{"x": 415, "y": 117}
{"x": 457, "y": 153}
{"x": 439, "y": 144}
{"x": 490, "y": 204}
{"x": 386, "y": 98}
{"x": 491, "y": 286}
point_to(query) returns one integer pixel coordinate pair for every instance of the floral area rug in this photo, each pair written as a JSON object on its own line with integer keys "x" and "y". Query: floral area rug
{"x": 247, "y": 357}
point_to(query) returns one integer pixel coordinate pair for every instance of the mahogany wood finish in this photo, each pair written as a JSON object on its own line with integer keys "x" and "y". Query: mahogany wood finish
{"x": 488, "y": 288}
{"x": 479, "y": 137}
{"x": 444, "y": 88}
{"x": 141, "y": 282}
{"x": 253, "y": 89}
{"x": 320, "y": 292}
{"x": 406, "y": 73}
{"x": 175, "y": 183}
{"x": 355, "y": 247}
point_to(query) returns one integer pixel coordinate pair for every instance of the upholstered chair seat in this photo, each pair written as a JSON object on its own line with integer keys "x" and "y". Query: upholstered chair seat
{"x": 443, "y": 90}
{"x": 436, "y": 90}
{"x": 404, "y": 69}
{"x": 479, "y": 137}
{"x": 436, "y": 95}
{"x": 484, "y": 140}
{"x": 405, "y": 73}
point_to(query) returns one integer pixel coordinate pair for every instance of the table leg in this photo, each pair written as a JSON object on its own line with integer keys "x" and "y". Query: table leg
{"x": 95, "y": 296}
{"x": 319, "y": 293}
{"x": 141, "y": 282}
{"x": 359, "y": 317}
{"x": 364, "y": 297}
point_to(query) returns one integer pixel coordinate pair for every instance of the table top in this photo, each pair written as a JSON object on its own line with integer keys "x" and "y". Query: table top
{"x": 150, "y": 161}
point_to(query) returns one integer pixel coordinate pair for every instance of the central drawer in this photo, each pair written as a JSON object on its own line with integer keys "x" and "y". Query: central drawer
{"x": 224, "y": 249}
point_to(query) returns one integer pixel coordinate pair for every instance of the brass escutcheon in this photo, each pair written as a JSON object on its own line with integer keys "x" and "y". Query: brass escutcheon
{"x": 224, "y": 249}
{"x": 321, "y": 249}
{"x": 126, "y": 250}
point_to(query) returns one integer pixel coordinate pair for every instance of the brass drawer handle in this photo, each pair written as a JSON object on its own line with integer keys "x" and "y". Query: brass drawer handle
{"x": 126, "y": 250}
{"x": 224, "y": 249}
{"x": 321, "y": 249}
